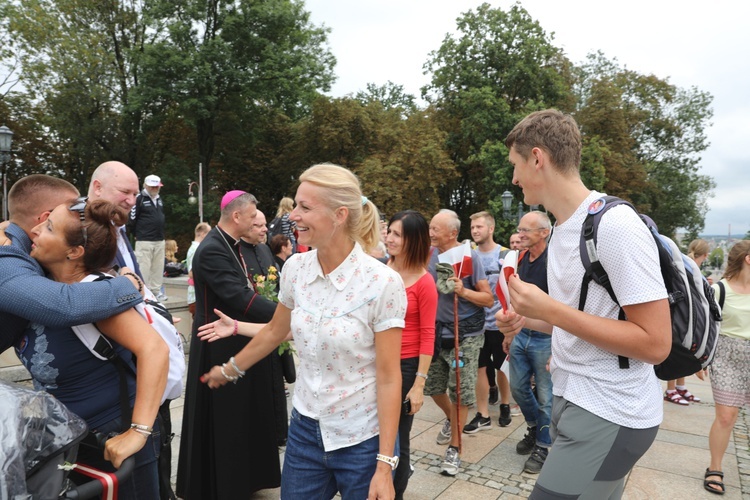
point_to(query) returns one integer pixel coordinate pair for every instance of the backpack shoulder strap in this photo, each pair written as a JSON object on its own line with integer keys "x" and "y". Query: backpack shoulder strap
{"x": 589, "y": 256}
{"x": 593, "y": 269}
{"x": 100, "y": 346}
{"x": 722, "y": 294}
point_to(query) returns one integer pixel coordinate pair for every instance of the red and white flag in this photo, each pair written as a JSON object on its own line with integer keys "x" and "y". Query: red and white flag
{"x": 510, "y": 263}
{"x": 460, "y": 258}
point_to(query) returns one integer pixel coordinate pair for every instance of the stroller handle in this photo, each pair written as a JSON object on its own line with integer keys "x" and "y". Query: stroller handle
{"x": 92, "y": 489}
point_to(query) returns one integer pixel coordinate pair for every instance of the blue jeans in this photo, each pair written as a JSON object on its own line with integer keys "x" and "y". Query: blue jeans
{"x": 529, "y": 354}
{"x": 312, "y": 473}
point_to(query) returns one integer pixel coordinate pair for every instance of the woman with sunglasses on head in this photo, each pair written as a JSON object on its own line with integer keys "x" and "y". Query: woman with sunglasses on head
{"x": 77, "y": 240}
{"x": 345, "y": 311}
{"x": 408, "y": 243}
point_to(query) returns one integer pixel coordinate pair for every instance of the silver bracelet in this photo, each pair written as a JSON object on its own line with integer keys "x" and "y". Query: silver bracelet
{"x": 240, "y": 373}
{"x": 143, "y": 433}
{"x": 423, "y": 375}
{"x": 228, "y": 377}
{"x": 142, "y": 427}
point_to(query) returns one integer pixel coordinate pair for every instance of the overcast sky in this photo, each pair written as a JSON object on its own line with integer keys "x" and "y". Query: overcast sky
{"x": 689, "y": 43}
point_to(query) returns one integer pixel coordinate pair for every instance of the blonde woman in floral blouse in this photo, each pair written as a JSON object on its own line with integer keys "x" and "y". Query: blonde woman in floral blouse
{"x": 346, "y": 312}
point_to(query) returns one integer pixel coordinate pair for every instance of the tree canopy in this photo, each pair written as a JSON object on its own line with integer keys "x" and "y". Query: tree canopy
{"x": 237, "y": 86}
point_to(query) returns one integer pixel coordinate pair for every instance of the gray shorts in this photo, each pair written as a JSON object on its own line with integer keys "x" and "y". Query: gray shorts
{"x": 590, "y": 456}
{"x": 442, "y": 374}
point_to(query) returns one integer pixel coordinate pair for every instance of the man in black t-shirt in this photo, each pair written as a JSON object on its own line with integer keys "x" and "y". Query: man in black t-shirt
{"x": 530, "y": 350}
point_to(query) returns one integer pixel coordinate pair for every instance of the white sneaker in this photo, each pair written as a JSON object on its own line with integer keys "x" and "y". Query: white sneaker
{"x": 444, "y": 436}
{"x": 452, "y": 462}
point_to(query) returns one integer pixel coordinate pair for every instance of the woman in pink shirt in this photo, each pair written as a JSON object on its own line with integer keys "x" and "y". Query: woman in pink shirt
{"x": 408, "y": 243}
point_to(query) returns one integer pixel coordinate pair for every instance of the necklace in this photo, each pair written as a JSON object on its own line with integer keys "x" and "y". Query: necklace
{"x": 231, "y": 250}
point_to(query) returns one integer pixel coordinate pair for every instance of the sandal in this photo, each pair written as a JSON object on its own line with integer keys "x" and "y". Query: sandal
{"x": 709, "y": 483}
{"x": 676, "y": 398}
{"x": 687, "y": 396}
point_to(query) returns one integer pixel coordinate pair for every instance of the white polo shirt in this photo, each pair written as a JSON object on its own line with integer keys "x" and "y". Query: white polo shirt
{"x": 334, "y": 322}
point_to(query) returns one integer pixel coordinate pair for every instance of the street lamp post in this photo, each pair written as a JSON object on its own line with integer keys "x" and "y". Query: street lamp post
{"x": 191, "y": 199}
{"x": 507, "y": 199}
{"x": 6, "y": 140}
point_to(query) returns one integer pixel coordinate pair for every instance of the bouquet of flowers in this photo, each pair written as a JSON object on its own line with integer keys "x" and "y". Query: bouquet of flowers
{"x": 265, "y": 286}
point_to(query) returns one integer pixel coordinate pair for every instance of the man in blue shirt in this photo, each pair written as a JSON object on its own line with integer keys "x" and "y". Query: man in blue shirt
{"x": 25, "y": 294}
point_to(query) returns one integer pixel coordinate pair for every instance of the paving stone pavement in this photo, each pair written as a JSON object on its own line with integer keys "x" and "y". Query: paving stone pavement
{"x": 672, "y": 469}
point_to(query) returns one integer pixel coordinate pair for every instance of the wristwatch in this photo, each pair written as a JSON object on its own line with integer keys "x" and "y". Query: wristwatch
{"x": 392, "y": 461}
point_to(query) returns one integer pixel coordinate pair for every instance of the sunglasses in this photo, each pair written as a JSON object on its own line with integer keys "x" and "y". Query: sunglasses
{"x": 80, "y": 206}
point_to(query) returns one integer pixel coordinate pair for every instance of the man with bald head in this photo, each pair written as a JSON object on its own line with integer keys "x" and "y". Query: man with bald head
{"x": 25, "y": 294}
{"x": 473, "y": 296}
{"x": 116, "y": 183}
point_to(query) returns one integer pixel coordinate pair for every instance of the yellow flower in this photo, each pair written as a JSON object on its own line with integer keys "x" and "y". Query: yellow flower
{"x": 260, "y": 278}
{"x": 272, "y": 270}
{"x": 271, "y": 277}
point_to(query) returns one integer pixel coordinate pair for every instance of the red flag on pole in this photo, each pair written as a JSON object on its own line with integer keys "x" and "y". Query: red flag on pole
{"x": 460, "y": 258}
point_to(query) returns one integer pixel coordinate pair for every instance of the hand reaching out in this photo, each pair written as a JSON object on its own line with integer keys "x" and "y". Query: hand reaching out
{"x": 221, "y": 328}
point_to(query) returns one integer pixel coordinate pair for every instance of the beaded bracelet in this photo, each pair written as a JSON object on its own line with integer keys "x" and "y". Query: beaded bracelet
{"x": 137, "y": 280}
{"x": 236, "y": 327}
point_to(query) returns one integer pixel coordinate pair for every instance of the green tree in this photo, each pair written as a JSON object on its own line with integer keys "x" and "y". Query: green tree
{"x": 402, "y": 162}
{"x": 222, "y": 65}
{"x": 390, "y": 96}
{"x": 79, "y": 61}
{"x": 499, "y": 66}
{"x": 716, "y": 258}
{"x": 651, "y": 135}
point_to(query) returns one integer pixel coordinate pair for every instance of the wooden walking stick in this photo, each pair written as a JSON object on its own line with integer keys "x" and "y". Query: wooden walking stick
{"x": 458, "y": 373}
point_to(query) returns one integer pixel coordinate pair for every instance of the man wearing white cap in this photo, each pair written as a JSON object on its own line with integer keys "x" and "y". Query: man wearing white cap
{"x": 147, "y": 224}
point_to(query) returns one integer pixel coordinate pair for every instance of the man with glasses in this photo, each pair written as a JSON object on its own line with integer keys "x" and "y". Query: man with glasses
{"x": 25, "y": 294}
{"x": 530, "y": 350}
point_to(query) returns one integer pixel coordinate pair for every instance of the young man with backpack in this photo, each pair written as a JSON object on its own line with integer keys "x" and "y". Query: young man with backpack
{"x": 604, "y": 417}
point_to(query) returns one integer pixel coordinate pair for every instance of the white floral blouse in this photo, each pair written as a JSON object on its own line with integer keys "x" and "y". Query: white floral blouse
{"x": 334, "y": 321}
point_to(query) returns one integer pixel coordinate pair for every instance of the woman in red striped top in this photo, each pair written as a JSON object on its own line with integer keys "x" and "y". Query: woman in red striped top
{"x": 408, "y": 243}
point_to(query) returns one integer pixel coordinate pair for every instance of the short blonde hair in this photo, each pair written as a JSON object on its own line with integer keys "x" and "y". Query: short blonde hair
{"x": 342, "y": 189}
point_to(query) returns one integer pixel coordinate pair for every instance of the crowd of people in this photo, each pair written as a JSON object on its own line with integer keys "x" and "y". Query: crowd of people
{"x": 377, "y": 318}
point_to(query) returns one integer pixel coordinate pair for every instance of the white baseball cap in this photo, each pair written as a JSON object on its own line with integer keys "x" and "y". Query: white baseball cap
{"x": 153, "y": 181}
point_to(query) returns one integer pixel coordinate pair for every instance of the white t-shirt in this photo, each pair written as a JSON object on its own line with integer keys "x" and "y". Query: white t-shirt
{"x": 334, "y": 322}
{"x": 582, "y": 373}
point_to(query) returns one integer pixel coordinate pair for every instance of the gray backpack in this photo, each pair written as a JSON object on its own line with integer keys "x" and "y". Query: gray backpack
{"x": 694, "y": 311}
